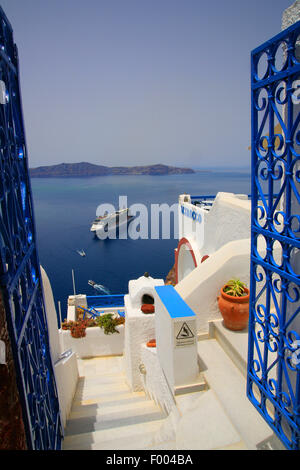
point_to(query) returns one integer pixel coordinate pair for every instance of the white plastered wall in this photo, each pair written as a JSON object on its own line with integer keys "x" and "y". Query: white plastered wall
{"x": 201, "y": 288}
{"x": 186, "y": 262}
{"x": 95, "y": 343}
{"x": 228, "y": 219}
{"x": 65, "y": 369}
{"x": 139, "y": 327}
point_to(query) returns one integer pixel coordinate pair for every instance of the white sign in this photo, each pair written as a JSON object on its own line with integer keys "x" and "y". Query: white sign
{"x": 184, "y": 334}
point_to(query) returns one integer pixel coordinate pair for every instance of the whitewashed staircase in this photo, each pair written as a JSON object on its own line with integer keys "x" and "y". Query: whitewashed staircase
{"x": 106, "y": 415}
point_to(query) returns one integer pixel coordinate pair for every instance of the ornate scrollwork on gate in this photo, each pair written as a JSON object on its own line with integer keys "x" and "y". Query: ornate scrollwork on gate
{"x": 20, "y": 276}
{"x": 274, "y": 325}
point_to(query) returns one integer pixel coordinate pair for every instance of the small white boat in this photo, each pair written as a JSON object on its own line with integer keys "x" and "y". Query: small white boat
{"x": 81, "y": 252}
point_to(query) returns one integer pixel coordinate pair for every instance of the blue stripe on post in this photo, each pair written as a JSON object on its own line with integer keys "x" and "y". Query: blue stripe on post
{"x": 173, "y": 302}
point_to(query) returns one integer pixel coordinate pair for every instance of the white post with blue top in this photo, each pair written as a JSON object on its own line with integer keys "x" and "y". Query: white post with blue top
{"x": 176, "y": 338}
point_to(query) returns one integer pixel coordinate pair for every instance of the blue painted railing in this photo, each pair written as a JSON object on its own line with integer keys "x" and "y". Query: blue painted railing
{"x": 273, "y": 384}
{"x": 105, "y": 300}
{"x": 204, "y": 198}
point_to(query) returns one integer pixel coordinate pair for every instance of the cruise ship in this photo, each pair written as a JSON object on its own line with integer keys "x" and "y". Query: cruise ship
{"x": 111, "y": 221}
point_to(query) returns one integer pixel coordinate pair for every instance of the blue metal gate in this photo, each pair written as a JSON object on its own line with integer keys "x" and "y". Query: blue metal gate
{"x": 274, "y": 325}
{"x": 20, "y": 276}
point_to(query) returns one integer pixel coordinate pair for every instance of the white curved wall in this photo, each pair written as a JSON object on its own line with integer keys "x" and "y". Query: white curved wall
{"x": 65, "y": 369}
{"x": 186, "y": 262}
{"x": 201, "y": 287}
{"x": 229, "y": 219}
{"x": 51, "y": 317}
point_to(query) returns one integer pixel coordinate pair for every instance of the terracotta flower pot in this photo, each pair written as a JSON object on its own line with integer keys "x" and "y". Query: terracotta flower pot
{"x": 234, "y": 310}
{"x": 151, "y": 343}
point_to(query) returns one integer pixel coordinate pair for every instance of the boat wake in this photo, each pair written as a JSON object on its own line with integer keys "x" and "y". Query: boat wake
{"x": 99, "y": 288}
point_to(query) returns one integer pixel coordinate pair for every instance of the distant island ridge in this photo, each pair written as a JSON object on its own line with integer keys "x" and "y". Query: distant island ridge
{"x": 85, "y": 169}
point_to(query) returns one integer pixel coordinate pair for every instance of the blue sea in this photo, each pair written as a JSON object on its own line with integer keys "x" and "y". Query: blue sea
{"x": 65, "y": 207}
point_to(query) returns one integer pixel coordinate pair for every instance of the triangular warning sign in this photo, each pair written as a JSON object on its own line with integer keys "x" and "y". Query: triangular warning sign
{"x": 185, "y": 332}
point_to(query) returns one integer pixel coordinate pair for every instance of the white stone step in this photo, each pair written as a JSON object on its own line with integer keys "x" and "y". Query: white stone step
{"x": 205, "y": 426}
{"x": 100, "y": 389}
{"x": 234, "y": 343}
{"x": 102, "y": 377}
{"x": 100, "y": 422}
{"x": 131, "y": 436}
{"x": 229, "y": 385}
{"x": 102, "y": 419}
{"x": 106, "y": 414}
{"x": 169, "y": 445}
{"x": 95, "y": 366}
{"x": 110, "y": 408}
{"x": 113, "y": 398}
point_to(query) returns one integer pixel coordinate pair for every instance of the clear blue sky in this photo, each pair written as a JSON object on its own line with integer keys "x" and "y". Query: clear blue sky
{"x": 134, "y": 82}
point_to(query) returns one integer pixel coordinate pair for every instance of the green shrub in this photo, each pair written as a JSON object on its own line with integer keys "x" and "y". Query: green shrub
{"x": 108, "y": 322}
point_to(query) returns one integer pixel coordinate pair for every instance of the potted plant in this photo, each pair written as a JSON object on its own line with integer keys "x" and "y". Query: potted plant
{"x": 234, "y": 304}
{"x": 77, "y": 328}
